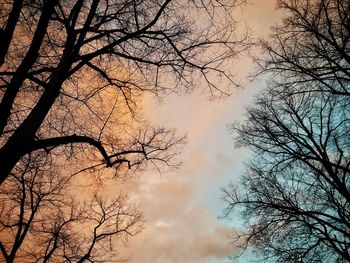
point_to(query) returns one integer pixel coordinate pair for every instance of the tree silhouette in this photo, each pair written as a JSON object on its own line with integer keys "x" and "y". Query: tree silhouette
{"x": 72, "y": 79}
{"x": 311, "y": 48}
{"x": 295, "y": 193}
{"x": 41, "y": 220}
{"x": 70, "y": 68}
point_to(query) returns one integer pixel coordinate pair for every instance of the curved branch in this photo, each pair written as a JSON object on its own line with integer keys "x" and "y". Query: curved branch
{"x": 58, "y": 141}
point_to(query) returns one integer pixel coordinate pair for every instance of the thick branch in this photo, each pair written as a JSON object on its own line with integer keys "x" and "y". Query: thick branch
{"x": 59, "y": 141}
{"x": 7, "y": 33}
{"x": 27, "y": 62}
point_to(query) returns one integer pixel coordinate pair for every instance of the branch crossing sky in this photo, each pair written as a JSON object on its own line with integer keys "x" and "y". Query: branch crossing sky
{"x": 182, "y": 207}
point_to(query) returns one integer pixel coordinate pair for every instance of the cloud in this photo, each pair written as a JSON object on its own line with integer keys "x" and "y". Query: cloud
{"x": 181, "y": 210}
{"x": 214, "y": 244}
{"x": 186, "y": 241}
{"x": 180, "y": 226}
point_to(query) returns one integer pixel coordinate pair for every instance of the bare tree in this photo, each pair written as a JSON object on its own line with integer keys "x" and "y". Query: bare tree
{"x": 69, "y": 69}
{"x": 310, "y": 47}
{"x": 41, "y": 220}
{"x": 295, "y": 194}
{"x": 72, "y": 77}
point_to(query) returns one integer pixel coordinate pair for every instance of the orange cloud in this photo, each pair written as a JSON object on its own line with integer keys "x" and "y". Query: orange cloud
{"x": 181, "y": 208}
{"x": 182, "y": 241}
{"x": 180, "y": 228}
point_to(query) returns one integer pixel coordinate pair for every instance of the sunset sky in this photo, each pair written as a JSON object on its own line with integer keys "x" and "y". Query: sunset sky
{"x": 120, "y": 122}
{"x": 181, "y": 207}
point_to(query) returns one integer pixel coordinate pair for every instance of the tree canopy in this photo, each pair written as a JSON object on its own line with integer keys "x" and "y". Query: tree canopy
{"x": 295, "y": 194}
{"x": 72, "y": 78}
{"x": 70, "y": 68}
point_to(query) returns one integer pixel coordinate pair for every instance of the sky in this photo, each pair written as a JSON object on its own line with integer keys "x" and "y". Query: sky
{"x": 181, "y": 207}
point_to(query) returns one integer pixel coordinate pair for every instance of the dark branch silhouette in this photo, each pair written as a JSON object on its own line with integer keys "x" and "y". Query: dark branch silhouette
{"x": 40, "y": 220}
{"x": 294, "y": 197}
{"x": 64, "y": 61}
{"x": 311, "y": 48}
{"x": 73, "y": 75}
